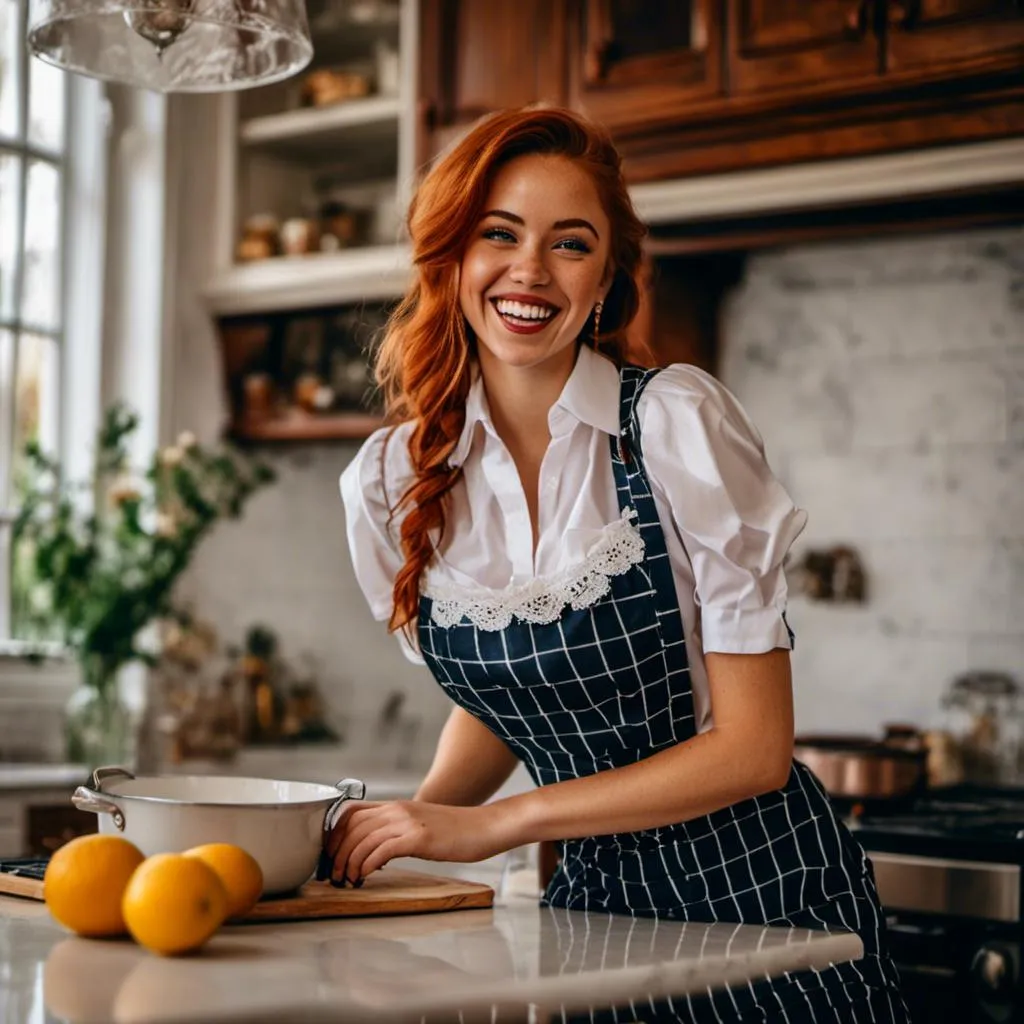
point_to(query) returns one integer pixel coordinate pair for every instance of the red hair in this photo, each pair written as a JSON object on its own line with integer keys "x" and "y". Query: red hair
{"x": 424, "y": 362}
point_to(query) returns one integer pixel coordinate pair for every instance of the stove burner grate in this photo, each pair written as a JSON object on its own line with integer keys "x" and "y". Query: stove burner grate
{"x": 25, "y": 867}
{"x": 971, "y": 814}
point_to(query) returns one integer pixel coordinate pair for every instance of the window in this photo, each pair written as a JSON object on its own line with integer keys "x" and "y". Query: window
{"x": 33, "y": 173}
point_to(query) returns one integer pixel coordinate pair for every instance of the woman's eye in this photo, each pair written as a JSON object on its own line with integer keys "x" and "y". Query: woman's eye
{"x": 499, "y": 235}
{"x": 573, "y": 245}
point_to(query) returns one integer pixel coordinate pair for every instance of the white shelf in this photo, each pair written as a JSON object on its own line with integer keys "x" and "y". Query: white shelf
{"x": 321, "y": 279}
{"x": 351, "y": 122}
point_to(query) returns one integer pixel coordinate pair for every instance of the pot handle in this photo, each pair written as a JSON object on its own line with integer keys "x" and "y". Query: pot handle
{"x": 350, "y": 789}
{"x": 86, "y": 799}
{"x": 109, "y": 772}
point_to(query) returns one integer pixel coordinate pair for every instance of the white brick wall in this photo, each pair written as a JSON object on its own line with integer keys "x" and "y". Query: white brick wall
{"x": 887, "y": 379}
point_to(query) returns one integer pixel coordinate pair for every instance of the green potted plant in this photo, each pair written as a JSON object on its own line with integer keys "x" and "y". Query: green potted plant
{"x": 95, "y": 562}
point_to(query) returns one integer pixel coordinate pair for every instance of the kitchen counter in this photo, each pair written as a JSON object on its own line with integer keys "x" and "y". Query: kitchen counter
{"x": 449, "y": 966}
{"x": 16, "y": 776}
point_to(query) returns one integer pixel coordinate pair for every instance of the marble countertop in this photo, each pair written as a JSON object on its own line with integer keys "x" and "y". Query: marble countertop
{"x": 19, "y": 776}
{"x": 449, "y": 966}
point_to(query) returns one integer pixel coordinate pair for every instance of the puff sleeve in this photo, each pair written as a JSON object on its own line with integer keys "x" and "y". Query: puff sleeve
{"x": 373, "y": 542}
{"x": 735, "y": 521}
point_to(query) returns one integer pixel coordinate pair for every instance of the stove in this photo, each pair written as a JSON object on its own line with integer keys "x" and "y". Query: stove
{"x": 25, "y": 867}
{"x": 949, "y": 872}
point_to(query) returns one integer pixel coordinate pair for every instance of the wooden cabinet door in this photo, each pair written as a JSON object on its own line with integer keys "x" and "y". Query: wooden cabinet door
{"x": 478, "y": 56}
{"x": 637, "y": 63}
{"x": 945, "y": 38}
{"x": 801, "y": 45}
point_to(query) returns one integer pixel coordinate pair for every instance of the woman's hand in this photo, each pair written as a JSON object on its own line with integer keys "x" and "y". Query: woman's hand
{"x": 370, "y": 834}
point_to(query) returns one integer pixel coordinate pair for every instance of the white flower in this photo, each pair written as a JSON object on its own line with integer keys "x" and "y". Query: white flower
{"x": 124, "y": 488}
{"x": 186, "y": 440}
{"x": 171, "y": 455}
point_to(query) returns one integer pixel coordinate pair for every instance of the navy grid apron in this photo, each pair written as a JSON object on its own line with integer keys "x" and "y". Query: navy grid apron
{"x": 608, "y": 685}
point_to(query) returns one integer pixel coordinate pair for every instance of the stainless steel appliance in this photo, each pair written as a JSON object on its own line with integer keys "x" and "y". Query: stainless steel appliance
{"x": 949, "y": 871}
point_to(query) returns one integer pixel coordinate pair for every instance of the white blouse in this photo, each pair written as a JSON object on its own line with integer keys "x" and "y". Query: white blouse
{"x": 728, "y": 522}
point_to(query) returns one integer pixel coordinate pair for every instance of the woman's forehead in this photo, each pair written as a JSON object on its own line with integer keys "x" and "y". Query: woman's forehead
{"x": 542, "y": 182}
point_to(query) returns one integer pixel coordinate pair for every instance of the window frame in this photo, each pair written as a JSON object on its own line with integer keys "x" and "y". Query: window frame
{"x": 81, "y": 162}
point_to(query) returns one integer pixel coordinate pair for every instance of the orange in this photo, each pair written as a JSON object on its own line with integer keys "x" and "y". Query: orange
{"x": 85, "y": 881}
{"x": 174, "y": 903}
{"x": 238, "y": 871}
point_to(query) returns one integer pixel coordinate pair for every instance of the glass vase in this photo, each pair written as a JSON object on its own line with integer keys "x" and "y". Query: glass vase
{"x": 99, "y": 728}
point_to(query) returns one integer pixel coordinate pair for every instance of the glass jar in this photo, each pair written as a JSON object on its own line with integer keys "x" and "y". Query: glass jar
{"x": 99, "y": 728}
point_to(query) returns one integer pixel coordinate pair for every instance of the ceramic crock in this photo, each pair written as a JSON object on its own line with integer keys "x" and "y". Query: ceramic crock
{"x": 282, "y": 824}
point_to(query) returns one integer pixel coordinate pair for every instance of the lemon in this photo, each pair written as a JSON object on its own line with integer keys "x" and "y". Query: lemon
{"x": 239, "y": 872}
{"x": 85, "y": 882}
{"x": 174, "y": 903}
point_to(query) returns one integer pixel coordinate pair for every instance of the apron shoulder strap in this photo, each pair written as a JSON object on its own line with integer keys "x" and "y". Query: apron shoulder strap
{"x": 632, "y": 382}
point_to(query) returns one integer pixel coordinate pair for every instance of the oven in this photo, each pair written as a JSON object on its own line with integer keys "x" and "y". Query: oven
{"x": 950, "y": 874}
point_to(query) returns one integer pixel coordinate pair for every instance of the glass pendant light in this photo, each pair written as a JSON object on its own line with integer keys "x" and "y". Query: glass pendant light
{"x": 174, "y": 45}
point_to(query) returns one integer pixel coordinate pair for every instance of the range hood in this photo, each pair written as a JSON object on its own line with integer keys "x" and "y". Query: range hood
{"x": 941, "y": 187}
{"x": 822, "y": 184}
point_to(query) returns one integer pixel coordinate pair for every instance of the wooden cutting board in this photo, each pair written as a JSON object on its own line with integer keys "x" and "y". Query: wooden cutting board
{"x": 390, "y": 891}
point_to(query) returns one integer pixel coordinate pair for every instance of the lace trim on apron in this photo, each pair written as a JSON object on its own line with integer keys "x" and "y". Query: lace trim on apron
{"x": 543, "y": 599}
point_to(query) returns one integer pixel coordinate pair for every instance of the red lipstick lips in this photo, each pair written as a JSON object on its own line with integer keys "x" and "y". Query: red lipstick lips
{"x": 524, "y": 325}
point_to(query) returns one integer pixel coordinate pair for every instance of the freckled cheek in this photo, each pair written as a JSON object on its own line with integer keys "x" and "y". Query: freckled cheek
{"x": 582, "y": 288}
{"x": 478, "y": 272}
{"x": 475, "y": 277}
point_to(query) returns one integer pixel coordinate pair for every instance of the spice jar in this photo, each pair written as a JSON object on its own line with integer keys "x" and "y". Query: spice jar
{"x": 340, "y": 227}
{"x": 299, "y": 236}
{"x": 260, "y": 238}
{"x": 305, "y": 392}
{"x": 259, "y": 396}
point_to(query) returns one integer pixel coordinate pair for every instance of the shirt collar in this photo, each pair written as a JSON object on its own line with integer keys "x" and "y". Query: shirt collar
{"x": 590, "y": 396}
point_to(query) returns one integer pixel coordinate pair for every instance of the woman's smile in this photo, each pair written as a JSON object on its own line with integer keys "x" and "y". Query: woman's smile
{"x": 524, "y": 314}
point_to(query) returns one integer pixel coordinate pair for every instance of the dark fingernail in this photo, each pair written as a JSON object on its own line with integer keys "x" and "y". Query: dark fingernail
{"x": 324, "y": 865}
{"x": 358, "y": 883}
{"x": 338, "y": 883}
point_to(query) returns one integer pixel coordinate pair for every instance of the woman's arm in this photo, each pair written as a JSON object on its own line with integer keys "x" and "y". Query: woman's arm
{"x": 469, "y": 766}
{"x": 747, "y": 752}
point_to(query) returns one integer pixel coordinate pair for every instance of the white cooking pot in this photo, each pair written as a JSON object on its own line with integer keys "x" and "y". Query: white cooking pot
{"x": 282, "y": 824}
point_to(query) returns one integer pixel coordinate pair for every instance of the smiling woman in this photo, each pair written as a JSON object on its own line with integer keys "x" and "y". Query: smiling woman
{"x": 588, "y": 558}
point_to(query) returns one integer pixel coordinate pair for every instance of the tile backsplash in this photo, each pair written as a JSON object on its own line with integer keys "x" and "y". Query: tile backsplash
{"x": 887, "y": 379}
{"x": 287, "y": 565}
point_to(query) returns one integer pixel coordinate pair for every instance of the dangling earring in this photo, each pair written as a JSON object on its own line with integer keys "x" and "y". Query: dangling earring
{"x": 598, "y": 306}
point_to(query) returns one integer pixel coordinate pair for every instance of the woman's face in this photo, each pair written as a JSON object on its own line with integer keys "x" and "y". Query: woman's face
{"x": 536, "y": 263}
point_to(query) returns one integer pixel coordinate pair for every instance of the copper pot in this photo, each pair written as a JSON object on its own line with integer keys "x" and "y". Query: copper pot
{"x": 865, "y": 768}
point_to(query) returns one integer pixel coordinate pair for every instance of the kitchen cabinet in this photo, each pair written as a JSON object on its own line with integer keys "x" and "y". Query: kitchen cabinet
{"x": 51, "y": 825}
{"x": 710, "y": 86}
{"x": 949, "y": 38}
{"x": 35, "y": 820}
{"x": 635, "y": 63}
{"x": 479, "y": 57}
{"x": 311, "y": 175}
{"x": 806, "y": 45}
{"x": 302, "y": 375}
{"x": 311, "y": 180}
